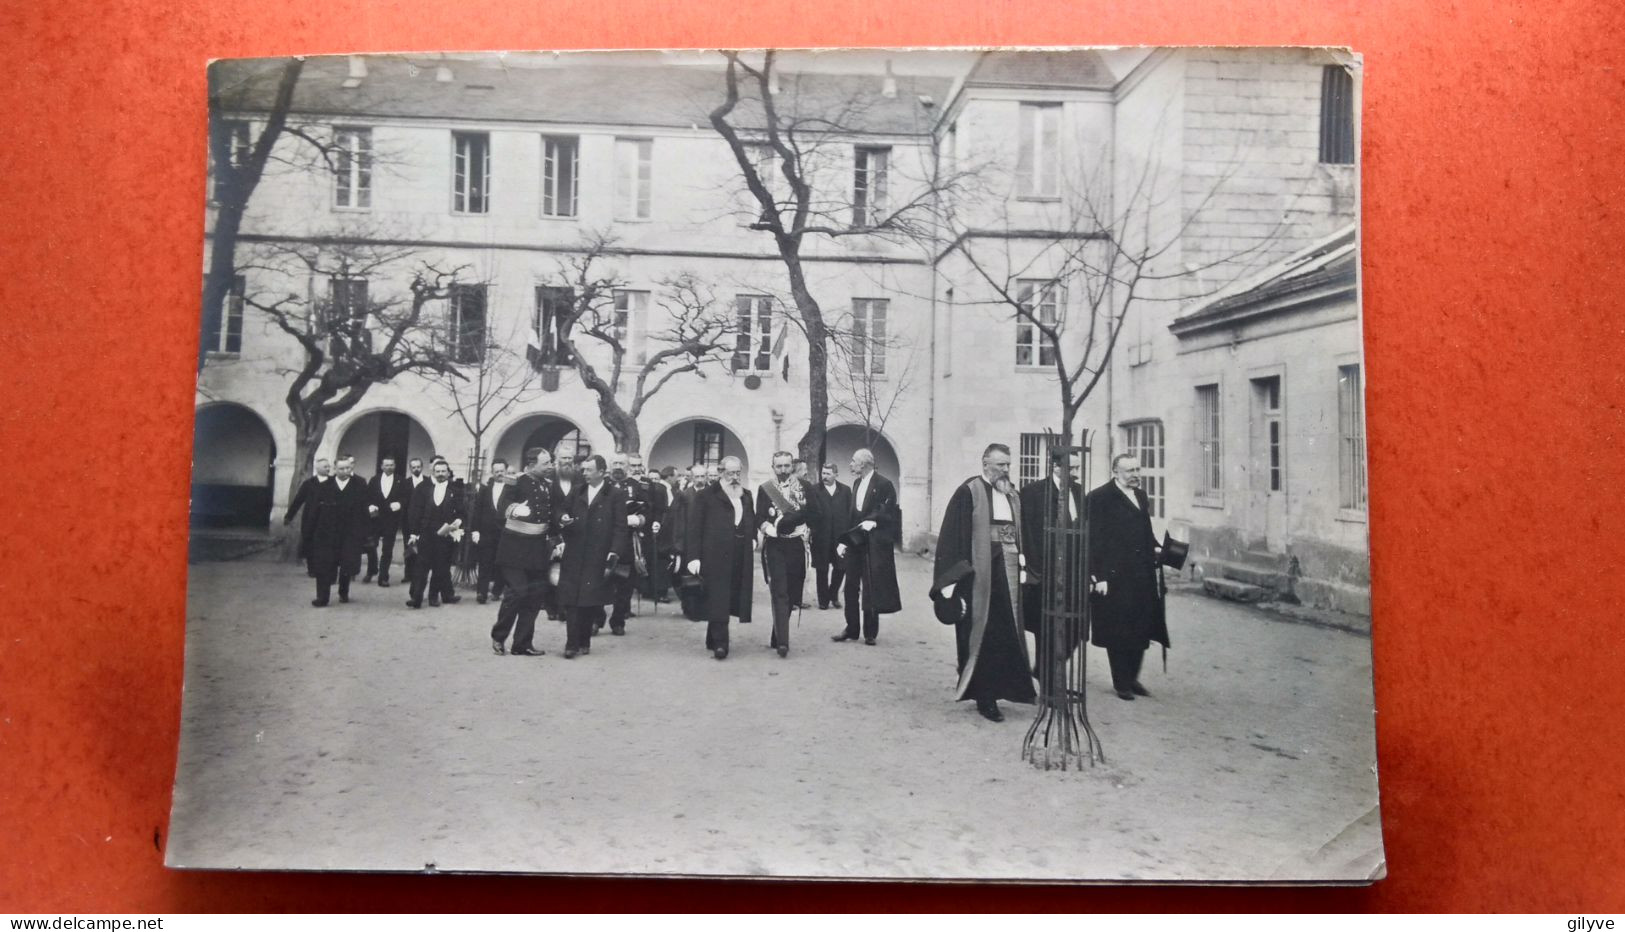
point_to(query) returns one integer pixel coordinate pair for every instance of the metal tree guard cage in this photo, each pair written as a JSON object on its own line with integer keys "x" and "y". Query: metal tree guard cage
{"x": 1060, "y": 736}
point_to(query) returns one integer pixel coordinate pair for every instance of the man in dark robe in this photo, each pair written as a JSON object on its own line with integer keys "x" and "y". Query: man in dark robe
{"x": 388, "y": 496}
{"x": 721, "y": 538}
{"x": 338, "y": 531}
{"x": 565, "y": 480}
{"x": 630, "y": 488}
{"x": 416, "y": 479}
{"x": 434, "y": 527}
{"x": 783, "y": 508}
{"x": 1042, "y": 503}
{"x": 595, "y": 535}
{"x": 490, "y": 513}
{"x": 682, "y": 504}
{"x": 979, "y": 562}
{"x": 1127, "y": 610}
{"x": 307, "y": 489}
{"x": 868, "y": 548}
{"x": 525, "y": 544}
{"x": 832, "y": 515}
{"x": 657, "y": 575}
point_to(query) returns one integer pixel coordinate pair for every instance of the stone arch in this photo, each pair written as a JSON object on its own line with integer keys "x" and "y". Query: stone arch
{"x": 233, "y": 467}
{"x": 842, "y": 440}
{"x": 541, "y": 429}
{"x": 380, "y": 432}
{"x": 695, "y": 439}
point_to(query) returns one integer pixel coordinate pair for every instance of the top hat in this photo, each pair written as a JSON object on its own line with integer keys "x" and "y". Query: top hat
{"x": 951, "y": 610}
{"x": 1174, "y": 552}
{"x": 853, "y": 537}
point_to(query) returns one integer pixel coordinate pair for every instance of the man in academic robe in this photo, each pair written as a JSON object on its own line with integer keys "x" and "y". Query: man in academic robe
{"x": 832, "y": 515}
{"x": 595, "y": 536}
{"x": 490, "y": 506}
{"x": 721, "y": 540}
{"x": 784, "y": 509}
{"x": 1127, "y": 609}
{"x": 388, "y": 496}
{"x": 435, "y": 525}
{"x": 307, "y": 489}
{"x": 1041, "y": 504}
{"x": 868, "y": 549}
{"x": 682, "y": 504}
{"x": 338, "y": 531}
{"x": 978, "y": 563}
{"x": 416, "y": 479}
{"x": 630, "y": 488}
{"x": 526, "y": 539}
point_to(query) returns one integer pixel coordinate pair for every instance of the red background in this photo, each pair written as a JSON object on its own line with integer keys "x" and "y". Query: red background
{"x": 1492, "y": 175}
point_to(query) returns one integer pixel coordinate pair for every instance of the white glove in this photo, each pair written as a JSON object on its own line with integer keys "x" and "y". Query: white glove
{"x": 867, "y": 525}
{"x": 520, "y": 510}
{"x": 840, "y": 550}
{"x": 476, "y": 537}
{"x": 394, "y": 506}
{"x": 1100, "y": 587}
{"x": 634, "y": 521}
{"x": 948, "y": 590}
{"x": 558, "y": 550}
{"x": 655, "y": 527}
{"x": 693, "y": 567}
{"x": 372, "y": 509}
{"x": 413, "y": 539}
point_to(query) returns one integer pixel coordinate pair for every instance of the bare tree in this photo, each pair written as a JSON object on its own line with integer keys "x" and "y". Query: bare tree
{"x": 695, "y": 334}
{"x": 356, "y": 335}
{"x": 1072, "y": 286}
{"x": 482, "y": 391}
{"x": 871, "y": 372}
{"x": 800, "y": 170}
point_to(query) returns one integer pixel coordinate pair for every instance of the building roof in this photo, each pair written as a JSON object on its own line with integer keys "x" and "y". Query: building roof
{"x": 1072, "y": 69}
{"x": 487, "y": 90}
{"x": 1324, "y": 269}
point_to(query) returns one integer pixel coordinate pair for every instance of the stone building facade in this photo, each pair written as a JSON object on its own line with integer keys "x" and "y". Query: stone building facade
{"x": 1225, "y": 151}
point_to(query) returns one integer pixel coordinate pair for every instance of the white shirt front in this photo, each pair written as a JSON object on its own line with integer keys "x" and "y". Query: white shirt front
{"x": 496, "y": 494}
{"x": 342, "y": 484}
{"x": 565, "y": 485}
{"x": 739, "y": 508}
{"x": 859, "y": 490}
{"x": 1001, "y": 506}
{"x": 386, "y": 484}
{"x": 1127, "y": 493}
{"x": 592, "y": 492}
{"x": 440, "y": 492}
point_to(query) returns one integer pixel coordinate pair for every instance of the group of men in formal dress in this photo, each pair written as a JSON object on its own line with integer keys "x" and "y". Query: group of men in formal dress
{"x": 577, "y": 540}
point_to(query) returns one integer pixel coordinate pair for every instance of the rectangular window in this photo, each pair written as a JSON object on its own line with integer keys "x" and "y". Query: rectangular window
{"x": 1030, "y": 459}
{"x": 1143, "y": 440}
{"x": 1351, "y": 438}
{"x": 561, "y": 161}
{"x": 352, "y": 167}
{"x": 1041, "y": 301}
{"x": 707, "y": 443}
{"x": 753, "y": 337}
{"x": 1038, "y": 160}
{"x": 631, "y": 311}
{"x": 1336, "y": 115}
{"x": 471, "y": 173}
{"x": 868, "y": 347}
{"x": 227, "y": 335}
{"x": 1210, "y": 465}
{"x": 553, "y": 307}
{"x": 869, "y": 181}
{"x": 466, "y": 336}
{"x": 1268, "y": 452}
{"x": 634, "y": 175}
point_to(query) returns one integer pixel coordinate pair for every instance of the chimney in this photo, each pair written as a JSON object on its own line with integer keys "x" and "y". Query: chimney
{"x": 888, "y": 87}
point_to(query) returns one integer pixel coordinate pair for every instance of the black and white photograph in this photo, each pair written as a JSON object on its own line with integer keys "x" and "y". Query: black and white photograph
{"x": 904, "y": 464}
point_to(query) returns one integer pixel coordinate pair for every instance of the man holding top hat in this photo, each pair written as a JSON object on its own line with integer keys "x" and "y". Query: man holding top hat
{"x": 977, "y": 586}
{"x": 1124, "y": 586}
{"x": 721, "y": 531}
{"x": 593, "y": 523}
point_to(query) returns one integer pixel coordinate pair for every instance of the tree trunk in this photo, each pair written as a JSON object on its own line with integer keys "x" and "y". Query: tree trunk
{"x": 222, "y": 270}
{"x": 812, "y": 317}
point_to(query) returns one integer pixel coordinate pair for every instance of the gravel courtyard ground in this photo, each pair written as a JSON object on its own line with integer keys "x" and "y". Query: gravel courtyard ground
{"x": 369, "y": 736}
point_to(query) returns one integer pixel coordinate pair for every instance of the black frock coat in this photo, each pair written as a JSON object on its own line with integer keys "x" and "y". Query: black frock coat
{"x": 594, "y": 532}
{"x": 1122, "y": 553}
{"x": 709, "y": 532}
